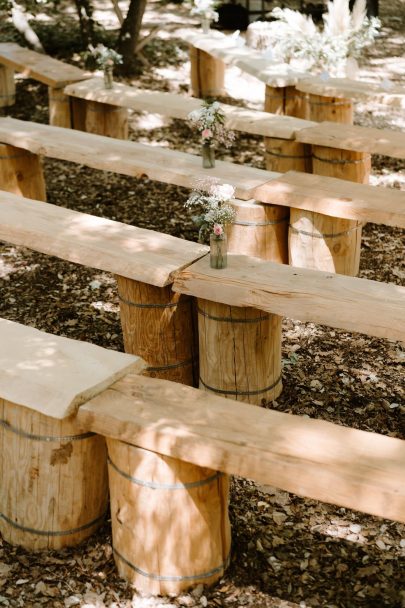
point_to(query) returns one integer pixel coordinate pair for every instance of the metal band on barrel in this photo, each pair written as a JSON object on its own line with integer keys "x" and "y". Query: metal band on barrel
{"x": 288, "y": 155}
{"x": 330, "y": 103}
{"x": 111, "y": 107}
{"x": 141, "y": 305}
{"x": 162, "y": 577}
{"x": 338, "y": 161}
{"x": 48, "y": 438}
{"x": 160, "y": 368}
{"x": 326, "y": 236}
{"x": 165, "y": 486}
{"x": 221, "y": 391}
{"x": 53, "y": 532}
{"x": 267, "y": 223}
{"x": 4, "y": 157}
{"x": 230, "y": 319}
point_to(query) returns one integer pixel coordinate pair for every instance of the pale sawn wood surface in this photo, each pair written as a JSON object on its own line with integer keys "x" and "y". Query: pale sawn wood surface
{"x": 52, "y": 374}
{"x": 313, "y": 458}
{"x": 135, "y": 253}
{"x": 352, "y": 304}
{"x": 47, "y": 70}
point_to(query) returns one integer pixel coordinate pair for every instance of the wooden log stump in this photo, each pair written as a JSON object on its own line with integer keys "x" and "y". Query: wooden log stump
{"x": 260, "y": 231}
{"x": 284, "y": 155}
{"x": 78, "y": 109}
{"x": 59, "y": 108}
{"x": 158, "y": 326}
{"x": 54, "y": 490}
{"x": 21, "y": 173}
{"x": 333, "y": 109}
{"x": 240, "y": 352}
{"x": 169, "y": 518}
{"x": 105, "y": 119}
{"x": 207, "y": 74}
{"x": 7, "y": 87}
{"x": 323, "y": 242}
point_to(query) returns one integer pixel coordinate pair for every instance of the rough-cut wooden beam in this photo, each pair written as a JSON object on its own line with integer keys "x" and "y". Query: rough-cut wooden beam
{"x": 134, "y": 253}
{"x": 179, "y": 106}
{"x": 349, "y": 303}
{"x": 356, "y": 138}
{"x": 336, "y": 197}
{"x": 127, "y": 157}
{"x": 313, "y": 458}
{"x": 47, "y": 70}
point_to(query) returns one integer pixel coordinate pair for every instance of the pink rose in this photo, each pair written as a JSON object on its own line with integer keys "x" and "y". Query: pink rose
{"x": 218, "y": 230}
{"x": 206, "y": 134}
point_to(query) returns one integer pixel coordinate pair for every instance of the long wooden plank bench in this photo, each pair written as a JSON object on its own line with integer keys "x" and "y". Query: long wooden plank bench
{"x": 307, "y": 295}
{"x": 312, "y": 458}
{"x": 366, "y": 203}
{"x": 51, "y": 72}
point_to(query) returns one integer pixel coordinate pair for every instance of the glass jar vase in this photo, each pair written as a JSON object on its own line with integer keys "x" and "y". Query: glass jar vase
{"x": 208, "y": 156}
{"x": 108, "y": 77}
{"x": 218, "y": 251}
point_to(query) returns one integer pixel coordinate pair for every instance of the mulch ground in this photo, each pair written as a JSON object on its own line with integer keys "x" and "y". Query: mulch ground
{"x": 288, "y": 552}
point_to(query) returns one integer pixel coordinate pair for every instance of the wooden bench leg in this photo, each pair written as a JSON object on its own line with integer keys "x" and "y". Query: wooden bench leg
{"x": 158, "y": 326}
{"x": 169, "y": 519}
{"x": 327, "y": 243}
{"x": 240, "y": 352}
{"x": 207, "y": 74}
{"x": 7, "y": 87}
{"x": 78, "y": 109}
{"x": 54, "y": 490}
{"x": 332, "y": 109}
{"x": 105, "y": 119}
{"x": 21, "y": 173}
{"x": 59, "y": 108}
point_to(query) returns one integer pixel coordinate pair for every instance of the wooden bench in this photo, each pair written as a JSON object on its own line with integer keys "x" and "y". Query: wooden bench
{"x": 51, "y": 72}
{"x": 54, "y": 489}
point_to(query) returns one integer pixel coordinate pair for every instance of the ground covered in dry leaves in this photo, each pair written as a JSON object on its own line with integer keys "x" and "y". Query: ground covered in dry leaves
{"x": 288, "y": 552}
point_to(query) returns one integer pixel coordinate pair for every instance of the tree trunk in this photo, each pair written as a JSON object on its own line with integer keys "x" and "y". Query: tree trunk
{"x": 85, "y": 11}
{"x": 129, "y": 34}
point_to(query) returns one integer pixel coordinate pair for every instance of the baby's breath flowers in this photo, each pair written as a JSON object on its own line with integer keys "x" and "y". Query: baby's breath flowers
{"x": 216, "y": 212}
{"x": 106, "y": 57}
{"x": 205, "y": 9}
{"x": 210, "y": 122}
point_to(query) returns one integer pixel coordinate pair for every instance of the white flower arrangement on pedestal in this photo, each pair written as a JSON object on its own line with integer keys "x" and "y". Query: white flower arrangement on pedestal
{"x": 217, "y": 213}
{"x": 295, "y": 36}
{"x": 205, "y": 10}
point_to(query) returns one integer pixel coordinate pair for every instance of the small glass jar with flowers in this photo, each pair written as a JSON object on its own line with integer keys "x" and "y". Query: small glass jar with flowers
{"x": 213, "y": 200}
{"x": 106, "y": 59}
{"x": 210, "y": 122}
{"x": 205, "y": 10}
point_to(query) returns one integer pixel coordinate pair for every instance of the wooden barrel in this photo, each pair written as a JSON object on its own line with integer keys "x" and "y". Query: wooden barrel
{"x": 260, "y": 231}
{"x": 158, "y": 326}
{"x": 323, "y": 242}
{"x": 333, "y": 109}
{"x": 283, "y": 155}
{"x": 286, "y": 101}
{"x": 7, "y": 87}
{"x": 207, "y": 74}
{"x": 54, "y": 490}
{"x": 21, "y": 173}
{"x": 106, "y": 119}
{"x": 240, "y": 352}
{"x": 169, "y": 519}
{"x": 59, "y": 108}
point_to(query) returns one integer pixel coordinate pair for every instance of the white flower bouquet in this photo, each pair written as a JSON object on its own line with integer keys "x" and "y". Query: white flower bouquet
{"x": 213, "y": 199}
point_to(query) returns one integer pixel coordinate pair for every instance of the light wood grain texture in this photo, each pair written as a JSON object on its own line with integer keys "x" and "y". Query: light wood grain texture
{"x": 283, "y": 155}
{"x": 135, "y": 253}
{"x": 313, "y": 458}
{"x": 207, "y": 74}
{"x": 168, "y": 536}
{"x": 300, "y": 293}
{"x": 337, "y": 198}
{"x": 333, "y": 109}
{"x": 356, "y": 90}
{"x": 21, "y": 173}
{"x": 158, "y": 326}
{"x": 240, "y": 352}
{"x": 7, "y": 87}
{"x": 179, "y": 106}
{"x": 105, "y": 119}
{"x": 47, "y": 70}
{"x": 54, "y": 490}
{"x": 59, "y": 108}
{"x": 128, "y": 158}
{"x": 260, "y": 231}
{"x": 54, "y": 375}
{"x": 355, "y": 138}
